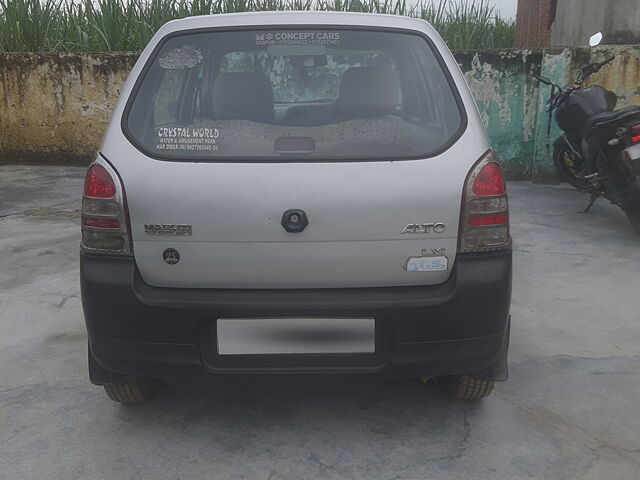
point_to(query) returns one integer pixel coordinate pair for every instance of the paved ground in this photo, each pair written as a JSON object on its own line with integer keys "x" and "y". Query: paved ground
{"x": 570, "y": 409}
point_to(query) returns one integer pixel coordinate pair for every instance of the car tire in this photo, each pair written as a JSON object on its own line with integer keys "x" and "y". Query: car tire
{"x": 465, "y": 387}
{"x": 140, "y": 390}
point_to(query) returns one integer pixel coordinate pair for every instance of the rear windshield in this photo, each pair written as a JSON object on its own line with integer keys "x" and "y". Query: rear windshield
{"x": 292, "y": 93}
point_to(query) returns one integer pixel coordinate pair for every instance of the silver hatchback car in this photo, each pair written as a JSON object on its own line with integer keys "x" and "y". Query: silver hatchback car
{"x": 296, "y": 193}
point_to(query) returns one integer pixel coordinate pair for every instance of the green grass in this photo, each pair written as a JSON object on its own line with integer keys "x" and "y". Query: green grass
{"x": 121, "y": 25}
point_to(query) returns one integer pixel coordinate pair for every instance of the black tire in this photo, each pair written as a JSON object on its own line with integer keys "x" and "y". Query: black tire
{"x": 140, "y": 390}
{"x": 466, "y": 387}
{"x": 567, "y": 168}
{"x": 633, "y": 214}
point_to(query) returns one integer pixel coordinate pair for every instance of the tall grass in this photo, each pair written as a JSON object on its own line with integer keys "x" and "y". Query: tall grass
{"x": 113, "y": 25}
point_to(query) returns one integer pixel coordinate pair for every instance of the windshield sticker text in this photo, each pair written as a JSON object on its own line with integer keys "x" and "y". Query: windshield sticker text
{"x": 298, "y": 38}
{"x": 190, "y": 139}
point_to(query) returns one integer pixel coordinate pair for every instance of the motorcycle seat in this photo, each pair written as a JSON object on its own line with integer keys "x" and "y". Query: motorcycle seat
{"x": 608, "y": 118}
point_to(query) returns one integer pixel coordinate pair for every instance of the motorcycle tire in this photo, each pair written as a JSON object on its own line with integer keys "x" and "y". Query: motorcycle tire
{"x": 565, "y": 167}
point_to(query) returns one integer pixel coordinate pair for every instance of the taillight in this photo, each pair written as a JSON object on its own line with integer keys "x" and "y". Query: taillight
{"x": 489, "y": 181}
{"x": 635, "y": 133}
{"x": 104, "y": 218}
{"x": 485, "y": 209}
{"x": 98, "y": 183}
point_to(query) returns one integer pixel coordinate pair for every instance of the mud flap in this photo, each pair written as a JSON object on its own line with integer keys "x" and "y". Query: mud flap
{"x": 98, "y": 375}
{"x": 499, "y": 371}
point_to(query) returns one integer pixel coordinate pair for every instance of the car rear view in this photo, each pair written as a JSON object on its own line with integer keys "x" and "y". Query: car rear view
{"x": 296, "y": 193}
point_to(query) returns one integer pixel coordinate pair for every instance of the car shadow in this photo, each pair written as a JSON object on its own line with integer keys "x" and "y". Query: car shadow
{"x": 277, "y": 405}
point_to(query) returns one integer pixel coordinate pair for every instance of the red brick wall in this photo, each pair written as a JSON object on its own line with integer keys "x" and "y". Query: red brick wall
{"x": 533, "y": 23}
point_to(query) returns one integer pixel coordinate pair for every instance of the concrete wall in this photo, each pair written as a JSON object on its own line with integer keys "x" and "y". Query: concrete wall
{"x": 577, "y": 20}
{"x": 507, "y": 96}
{"x": 55, "y": 107}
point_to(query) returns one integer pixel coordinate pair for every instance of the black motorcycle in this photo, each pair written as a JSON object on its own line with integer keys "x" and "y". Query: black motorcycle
{"x": 599, "y": 152}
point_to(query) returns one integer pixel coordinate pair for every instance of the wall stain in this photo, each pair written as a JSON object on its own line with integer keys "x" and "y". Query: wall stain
{"x": 56, "y": 106}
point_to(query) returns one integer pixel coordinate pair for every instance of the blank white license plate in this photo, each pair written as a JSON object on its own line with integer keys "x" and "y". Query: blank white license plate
{"x": 256, "y": 336}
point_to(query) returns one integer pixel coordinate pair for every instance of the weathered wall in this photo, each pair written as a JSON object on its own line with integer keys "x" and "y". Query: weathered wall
{"x": 577, "y": 20}
{"x": 506, "y": 94}
{"x": 55, "y": 107}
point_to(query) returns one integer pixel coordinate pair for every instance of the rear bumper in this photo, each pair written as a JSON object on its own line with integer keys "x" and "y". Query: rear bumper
{"x": 460, "y": 326}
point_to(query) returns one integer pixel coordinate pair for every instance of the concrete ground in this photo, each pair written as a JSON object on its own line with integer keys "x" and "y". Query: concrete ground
{"x": 570, "y": 409}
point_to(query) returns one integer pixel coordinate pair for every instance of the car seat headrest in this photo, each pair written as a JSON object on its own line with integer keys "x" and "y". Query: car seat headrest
{"x": 243, "y": 96}
{"x": 367, "y": 92}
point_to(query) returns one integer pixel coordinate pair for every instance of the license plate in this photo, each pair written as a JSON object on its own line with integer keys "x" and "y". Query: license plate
{"x": 427, "y": 264}
{"x": 268, "y": 336}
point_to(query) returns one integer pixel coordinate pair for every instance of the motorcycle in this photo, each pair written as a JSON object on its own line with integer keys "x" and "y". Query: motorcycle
{"x": 599, "y": 150}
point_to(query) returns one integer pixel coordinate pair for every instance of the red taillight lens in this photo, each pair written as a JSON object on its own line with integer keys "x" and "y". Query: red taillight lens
{"x": 105, "y": 228}
{"x": 484, "y": 225}
{"x": 99, "y": 183}
{"x": 488, "y": 220}
{"x": 489, "y": 181}
{"x": 101, "y": 222}
{"x": 635, "y": 133}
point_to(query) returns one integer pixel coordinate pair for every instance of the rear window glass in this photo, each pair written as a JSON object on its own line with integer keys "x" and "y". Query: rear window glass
{"x": 273, "y": 94}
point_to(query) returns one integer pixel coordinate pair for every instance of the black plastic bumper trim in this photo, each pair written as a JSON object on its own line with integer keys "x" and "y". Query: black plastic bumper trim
{"x": 456, "y": 327}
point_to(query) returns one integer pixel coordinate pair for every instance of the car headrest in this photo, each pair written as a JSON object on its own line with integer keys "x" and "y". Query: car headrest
{"x": 243, "y": 96}
{"x": 367, "y": 92}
